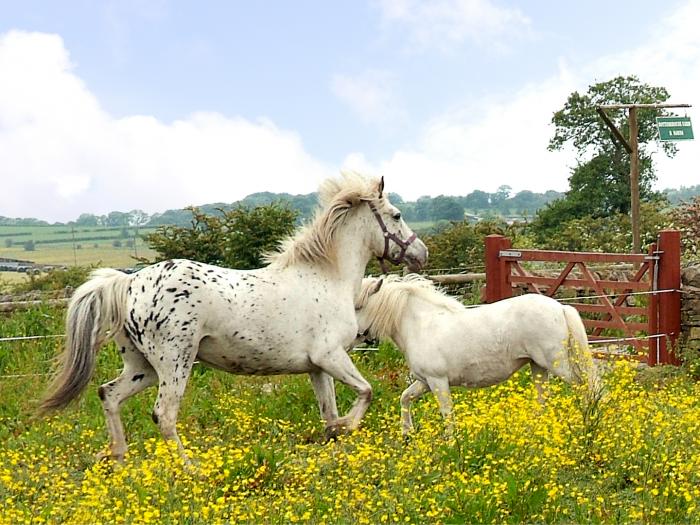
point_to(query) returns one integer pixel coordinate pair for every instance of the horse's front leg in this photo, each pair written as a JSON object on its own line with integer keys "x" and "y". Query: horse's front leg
{"x": 337, "y": 363}
{"x": 440, "y": 386}
{"x": 413, "y": 392}
{"x": 324, "y": 388}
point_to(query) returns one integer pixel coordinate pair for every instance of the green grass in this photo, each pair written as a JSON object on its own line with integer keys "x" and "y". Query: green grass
{"x": 258, "y": 443}
{"x": 83, "y": 246}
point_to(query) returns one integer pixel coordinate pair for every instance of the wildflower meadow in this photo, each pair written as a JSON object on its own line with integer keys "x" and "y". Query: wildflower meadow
{"x": 633, "y": 455}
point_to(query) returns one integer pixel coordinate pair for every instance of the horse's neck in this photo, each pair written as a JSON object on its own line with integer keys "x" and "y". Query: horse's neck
{"x": 352, "y": 254}
{"x": 409, "y": 329}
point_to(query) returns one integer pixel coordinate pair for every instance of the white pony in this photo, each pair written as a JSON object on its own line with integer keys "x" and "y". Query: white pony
{"x": 294, "y": 316}
{"x": 447, "y": 344}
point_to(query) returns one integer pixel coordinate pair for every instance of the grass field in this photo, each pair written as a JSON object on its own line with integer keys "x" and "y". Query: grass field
{"x": 83, "y": 246}
{"x": 260, "y": 457}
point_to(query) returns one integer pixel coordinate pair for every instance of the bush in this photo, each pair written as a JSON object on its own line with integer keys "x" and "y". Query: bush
{"x": 56, "y": 280}
{"x": 236, "y": 238}
{"x": 461, "y": 245}
{"x": 686, "y": 218}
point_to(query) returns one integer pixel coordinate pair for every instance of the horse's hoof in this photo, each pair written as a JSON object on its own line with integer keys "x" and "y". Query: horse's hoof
{"x": 108, "y": 457}
{"x": 332, "y": 433}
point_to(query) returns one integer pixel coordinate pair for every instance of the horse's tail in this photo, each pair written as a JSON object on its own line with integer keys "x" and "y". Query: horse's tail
{"x": 95, "y": 313}
{"x": 579, "y": 354}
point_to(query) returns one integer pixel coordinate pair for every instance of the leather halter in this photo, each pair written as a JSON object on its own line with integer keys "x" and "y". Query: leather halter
{"x": 386, "y": 256}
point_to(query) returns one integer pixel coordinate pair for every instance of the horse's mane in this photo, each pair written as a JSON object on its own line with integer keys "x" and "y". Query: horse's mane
{"x": 385, "y": 308}
{"x": 314, "y": 243}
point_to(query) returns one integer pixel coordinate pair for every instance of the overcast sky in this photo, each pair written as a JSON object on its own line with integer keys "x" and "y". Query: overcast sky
{"x": 125, "y": 104}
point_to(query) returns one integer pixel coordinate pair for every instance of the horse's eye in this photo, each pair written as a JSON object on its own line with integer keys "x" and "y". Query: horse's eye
{"x": 397, "y": 216}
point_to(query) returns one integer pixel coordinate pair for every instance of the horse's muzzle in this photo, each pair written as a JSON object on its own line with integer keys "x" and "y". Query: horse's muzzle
{"x": 417, "y": 257}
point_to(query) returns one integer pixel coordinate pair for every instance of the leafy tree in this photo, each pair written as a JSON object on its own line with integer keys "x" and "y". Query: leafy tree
{"x": 424, "y": 208}
{"x": 29, "y": 246}
{"x": 446, "y": 208}
{"x": 477, "y": 200}
{"x": 87, "y": 219}
{"x": 599, "y": 183}
{"x": 237, "y": 238}
{"x": 117, "y": 218}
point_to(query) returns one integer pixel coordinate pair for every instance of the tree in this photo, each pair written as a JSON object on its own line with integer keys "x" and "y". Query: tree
{"x": 446, "y": 208}
{"x": 236, "y": 238}
{"x": 138, "y": 218}
{"x": 498, "y": 199}
{"x": 117, "y": 218}
{"x": 87, "y": 219}
{"x": 599, "y": 183}
{"x": 477, "y": 200}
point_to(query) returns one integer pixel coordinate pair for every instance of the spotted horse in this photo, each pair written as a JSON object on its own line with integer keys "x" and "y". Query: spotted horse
{"x": 296, "y": 315}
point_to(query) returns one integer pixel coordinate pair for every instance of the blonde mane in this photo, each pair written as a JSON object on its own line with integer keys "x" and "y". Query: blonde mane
{"x": 386, "y": 307}
{"x": 314, "y": 243}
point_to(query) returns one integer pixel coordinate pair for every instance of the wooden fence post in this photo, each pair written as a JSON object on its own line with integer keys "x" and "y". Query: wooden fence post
{"x": 669, "y": 247}
{"x": 497, "y": 283}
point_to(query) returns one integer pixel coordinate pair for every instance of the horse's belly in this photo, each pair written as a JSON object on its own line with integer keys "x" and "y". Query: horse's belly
{"x": 246, "y": 359}
{"x": 485, "y": 374}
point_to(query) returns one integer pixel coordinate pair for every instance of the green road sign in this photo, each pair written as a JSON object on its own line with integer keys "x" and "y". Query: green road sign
{"x": 674, "y": 128}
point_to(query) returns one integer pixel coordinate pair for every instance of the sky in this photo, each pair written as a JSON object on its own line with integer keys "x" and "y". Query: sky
{"x": 157, "y": 104}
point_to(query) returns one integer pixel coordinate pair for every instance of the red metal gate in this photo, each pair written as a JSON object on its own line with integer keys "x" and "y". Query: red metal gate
{"x": 657, "y": 275}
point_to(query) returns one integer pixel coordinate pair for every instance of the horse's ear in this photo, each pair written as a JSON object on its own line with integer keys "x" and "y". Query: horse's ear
{"x": 378, "y": 286}
{"x": 380, "y": 187}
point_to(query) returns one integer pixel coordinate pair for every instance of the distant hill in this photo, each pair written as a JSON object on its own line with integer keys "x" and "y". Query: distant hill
{"x": 425, "y": 209}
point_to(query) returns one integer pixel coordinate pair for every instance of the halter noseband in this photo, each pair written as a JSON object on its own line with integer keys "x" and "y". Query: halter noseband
{"x": 387, "y": 237}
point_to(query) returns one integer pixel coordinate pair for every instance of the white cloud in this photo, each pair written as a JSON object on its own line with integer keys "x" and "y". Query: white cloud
{"x": 503, "y": 140}
{"x": 61, "y": 154}
{"x": 444, "y": 24}
{"x": 499, "y": 142}
{"x": 372, "y": 96}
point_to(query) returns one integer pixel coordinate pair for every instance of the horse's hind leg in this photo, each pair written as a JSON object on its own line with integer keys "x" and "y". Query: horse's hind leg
{"x": 173, "y": 374}
{"x": 539, "y": 376}
{"x": 440, "y": 386}
{"x": 325, "y": 395}
{"x": 137, "y": 375}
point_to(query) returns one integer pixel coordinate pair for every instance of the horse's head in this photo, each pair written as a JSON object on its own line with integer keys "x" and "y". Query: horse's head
{"x": 392, "y": 240}
{"x": 370, "y": 286}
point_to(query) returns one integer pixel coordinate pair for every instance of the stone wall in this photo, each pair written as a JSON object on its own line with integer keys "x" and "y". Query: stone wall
{"x": 690, "y": 307}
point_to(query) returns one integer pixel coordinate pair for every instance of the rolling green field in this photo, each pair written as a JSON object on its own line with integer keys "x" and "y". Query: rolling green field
{"x": 261, "y": 458}
{"x": 82, "y": 246}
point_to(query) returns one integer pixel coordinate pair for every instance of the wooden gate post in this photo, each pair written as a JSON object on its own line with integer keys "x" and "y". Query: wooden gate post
{"x": 669, "y": 247}
{"x": 497, "y": 283}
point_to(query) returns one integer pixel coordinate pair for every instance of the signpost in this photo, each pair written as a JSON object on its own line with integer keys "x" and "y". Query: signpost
{"x": 674, "y": 128}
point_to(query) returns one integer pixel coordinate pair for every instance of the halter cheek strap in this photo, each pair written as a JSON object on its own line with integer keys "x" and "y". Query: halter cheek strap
{"x": 386, "y": 256}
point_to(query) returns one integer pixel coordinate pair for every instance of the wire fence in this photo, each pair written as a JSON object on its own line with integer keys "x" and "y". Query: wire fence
{"x": 369, "y": 349}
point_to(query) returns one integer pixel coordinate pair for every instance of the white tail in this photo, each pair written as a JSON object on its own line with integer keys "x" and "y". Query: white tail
{"x": 96, "y": 312}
